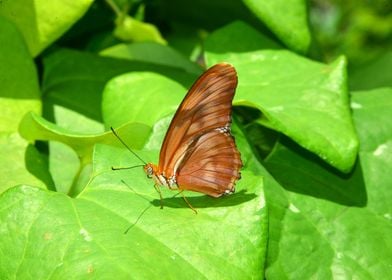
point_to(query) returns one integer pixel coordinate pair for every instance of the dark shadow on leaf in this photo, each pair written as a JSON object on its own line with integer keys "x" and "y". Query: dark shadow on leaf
{"x": 205, "y": 201}
{"x": 301, "y": 171}
{"x": 37, "y": 164}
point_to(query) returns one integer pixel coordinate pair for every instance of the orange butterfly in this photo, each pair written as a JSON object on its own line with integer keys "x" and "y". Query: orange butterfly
{"x": 199, "y": 153}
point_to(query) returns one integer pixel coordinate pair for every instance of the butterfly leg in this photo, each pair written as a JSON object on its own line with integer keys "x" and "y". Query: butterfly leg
{"x": 187, "y": 202}
{"x": 160, "y": 194}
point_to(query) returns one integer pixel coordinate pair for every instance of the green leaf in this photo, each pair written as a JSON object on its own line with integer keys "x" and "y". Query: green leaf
{"x": 64, "y": 163}
{"x": 288, "y": 20}
{"x": 34, "y": 127}
{"x": 132, "y": 30}
{"x": 303, "y": 99}
{"x": 225, "y": 240}
{"x": 376, "y": 73}
{"x": 76, "y": 80}
{"x": 238, "y": 37}
{"x": 153, "y": 53}
{"x": 342, "y": 223}
{"x": 372, "y": 117}
{"x": 186, "y": 39}
{"x": 19, "y": 84}
{"x": 20, "y": 162}
{"x": 122, "y": 101}
{"x": 42, "y": 22}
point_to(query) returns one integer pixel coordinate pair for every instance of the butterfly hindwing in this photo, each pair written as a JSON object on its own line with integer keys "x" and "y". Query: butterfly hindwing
{"x": 211, "y": 165}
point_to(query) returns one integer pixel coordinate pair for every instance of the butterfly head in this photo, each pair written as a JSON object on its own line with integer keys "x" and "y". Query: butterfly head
{"x": 150, "y": 169}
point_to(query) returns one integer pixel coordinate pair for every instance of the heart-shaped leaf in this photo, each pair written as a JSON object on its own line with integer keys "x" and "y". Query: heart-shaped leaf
{"x": 226, "y": 239}
{"x": 303, "y": 99}
{"x": 341, "y": 221}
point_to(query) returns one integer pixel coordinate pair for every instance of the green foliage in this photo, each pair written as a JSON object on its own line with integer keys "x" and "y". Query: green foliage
{"x": 315, "y": 138}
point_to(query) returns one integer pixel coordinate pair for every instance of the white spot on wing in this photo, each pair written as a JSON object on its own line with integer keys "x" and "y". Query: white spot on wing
{"x": 293, "y": 209}
{"x": 388, "y": 216}
{"x": 86, "y": 235}
{"x": 380, "y": 150}
{"x": 224, "y": 129}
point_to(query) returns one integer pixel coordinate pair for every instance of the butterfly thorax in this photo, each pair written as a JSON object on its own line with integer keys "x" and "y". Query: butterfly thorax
{"x": 152, "y": 172}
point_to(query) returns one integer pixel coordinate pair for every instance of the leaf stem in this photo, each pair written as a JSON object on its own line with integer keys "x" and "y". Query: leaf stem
{"x": 114, "y": 7}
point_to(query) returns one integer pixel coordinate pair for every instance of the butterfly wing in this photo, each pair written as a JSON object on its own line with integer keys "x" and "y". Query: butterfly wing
{"x": 211, "y": 165}
{"x": 204, "y": 113}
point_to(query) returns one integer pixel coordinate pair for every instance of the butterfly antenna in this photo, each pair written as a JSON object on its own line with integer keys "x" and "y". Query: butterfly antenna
{"x": 142, "y": 213}
{"x": 129, "y": 149}
{"x": 130, "y": 167}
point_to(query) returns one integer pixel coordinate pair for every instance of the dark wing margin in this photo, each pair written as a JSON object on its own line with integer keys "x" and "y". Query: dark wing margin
{"x": 207, "y": 106}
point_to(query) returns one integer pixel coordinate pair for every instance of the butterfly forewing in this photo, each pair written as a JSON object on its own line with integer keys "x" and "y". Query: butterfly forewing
{"x": 198, "y": 148}
{"x": 206, "y": 106}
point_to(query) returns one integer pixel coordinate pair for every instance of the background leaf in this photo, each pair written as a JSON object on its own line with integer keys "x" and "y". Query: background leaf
{"x": 124, "y": 90}
{"x": 319, "y": 211}
{"x": 282, "y": 18}
{"x": 373, "y": 74}
{"x": 303, "y": 99}
{"x": 154, "y": 53}
{"x": 76, "y": 80}
{"x": 42, "y": 22}
{"x": 19, "y": 94}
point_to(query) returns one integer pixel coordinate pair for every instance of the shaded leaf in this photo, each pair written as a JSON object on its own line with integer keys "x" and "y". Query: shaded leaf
{"x": 154, "y": 53}
{"x": 22, "y": 163}
{"x": 342, "y": 223}
{"x": 303, "y": 99}
{"x": 374, "y": 74}
{"x": 76, "y": 80}
{"x": 238, "y": 37}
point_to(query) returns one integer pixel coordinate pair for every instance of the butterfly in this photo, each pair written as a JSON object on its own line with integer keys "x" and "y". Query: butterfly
{"x": 198, "y": 152}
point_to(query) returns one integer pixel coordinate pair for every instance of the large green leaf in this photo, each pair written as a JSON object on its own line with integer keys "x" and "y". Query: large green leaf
{"x": 85, "y": 235}
{"x": 34, "y": 127}
{"x": 123, "y": 102}
{"x": 76, "y": 80}
{"x": 341, "y": 223}
{"x": 19, "y": 94}
{"x": 374, "y": 74}
{"x": 42, "y": 22}
{"x": 288, "y": 20}
{"x": 303, "y": 99}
